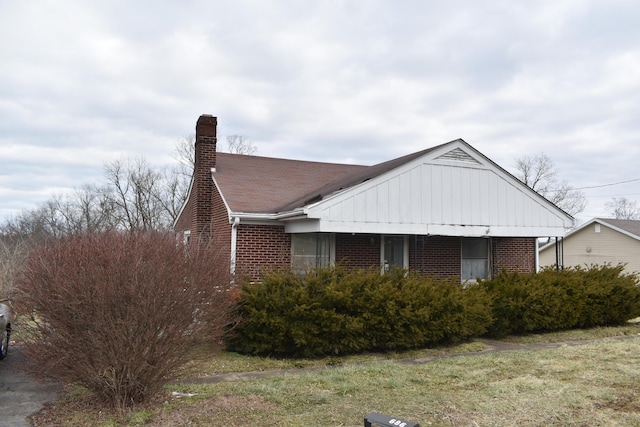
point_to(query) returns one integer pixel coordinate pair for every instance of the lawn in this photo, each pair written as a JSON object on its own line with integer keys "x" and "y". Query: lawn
{"x": 596, "y": 383}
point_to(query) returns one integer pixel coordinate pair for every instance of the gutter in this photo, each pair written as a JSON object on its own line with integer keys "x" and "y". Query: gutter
{"x": 234, "y": 242}
{"x": 248, "y": 217}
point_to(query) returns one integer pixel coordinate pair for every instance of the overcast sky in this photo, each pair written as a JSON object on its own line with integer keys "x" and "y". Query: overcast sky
{"x": 360, "y": 81}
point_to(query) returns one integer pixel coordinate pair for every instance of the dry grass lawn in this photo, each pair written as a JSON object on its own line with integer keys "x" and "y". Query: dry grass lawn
{"x": 593, "y": 384}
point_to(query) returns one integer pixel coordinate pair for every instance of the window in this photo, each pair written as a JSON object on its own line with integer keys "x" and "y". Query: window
{"x": 311, "y": 250}
{"x": 475, "y": 259}
{"x": 394, "y": 252}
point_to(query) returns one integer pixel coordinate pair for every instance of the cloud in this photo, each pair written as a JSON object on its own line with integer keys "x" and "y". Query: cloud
{"x": 87, "y": 82}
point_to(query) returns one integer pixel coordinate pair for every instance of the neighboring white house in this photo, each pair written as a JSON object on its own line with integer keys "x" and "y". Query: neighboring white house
{"x": 598, "y": 241}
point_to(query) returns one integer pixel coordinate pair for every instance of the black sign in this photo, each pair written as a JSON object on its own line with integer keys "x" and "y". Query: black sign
{"x": 381, "y": 420}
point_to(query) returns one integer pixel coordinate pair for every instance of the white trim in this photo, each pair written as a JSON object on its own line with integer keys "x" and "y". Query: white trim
{"x": 489, "y": 258}
{"x": 565, "y": 220}
{"x": 186, "y": 201}
{"x": 405, "y": 254}
{"x": 234, "y": 243}
{"x": 587, "y": 224}
{"x": 316, "y": 225}
{"x": 226, "y": 205}
{"x": 405, "y": 250}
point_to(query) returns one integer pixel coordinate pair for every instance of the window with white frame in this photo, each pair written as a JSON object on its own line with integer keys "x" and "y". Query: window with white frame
{"x": 475, "y": 258}
{"x": 311, "y": 250}
{"x": 394, "y": 252}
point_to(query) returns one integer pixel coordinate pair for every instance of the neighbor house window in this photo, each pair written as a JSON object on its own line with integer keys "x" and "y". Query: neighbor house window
{"x": 475, "y": 259}
{"x": 311, "y": 250}
{"x": 394, "y": 252}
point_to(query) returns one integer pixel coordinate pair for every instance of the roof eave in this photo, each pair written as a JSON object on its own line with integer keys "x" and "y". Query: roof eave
{"x": 267, "y": 216}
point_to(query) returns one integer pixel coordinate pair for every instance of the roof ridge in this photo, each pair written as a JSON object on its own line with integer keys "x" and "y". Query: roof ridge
{"x": 224, "y": 153}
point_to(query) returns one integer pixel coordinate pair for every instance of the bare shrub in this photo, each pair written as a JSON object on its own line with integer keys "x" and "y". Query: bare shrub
{"x": 10, "y": 258}
{"x": 118, "y": 312}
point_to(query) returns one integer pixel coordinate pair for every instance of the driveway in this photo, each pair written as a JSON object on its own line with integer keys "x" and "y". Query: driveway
{"x": 20, "y": 396}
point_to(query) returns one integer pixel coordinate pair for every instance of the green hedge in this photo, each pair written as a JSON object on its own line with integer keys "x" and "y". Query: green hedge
{"x": 334, "y": 311}
{"x": 553, "y": 300}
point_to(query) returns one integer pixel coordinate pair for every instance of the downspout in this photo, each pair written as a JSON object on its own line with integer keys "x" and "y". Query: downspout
{"x": 234, "y": 243}
{"x": 537, "y": 261}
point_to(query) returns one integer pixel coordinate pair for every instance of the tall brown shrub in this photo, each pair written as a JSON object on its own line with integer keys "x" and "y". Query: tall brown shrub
{"x": 118, "y": 312}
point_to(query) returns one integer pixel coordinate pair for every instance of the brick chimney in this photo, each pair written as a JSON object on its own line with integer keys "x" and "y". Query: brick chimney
{"x": 205, "y": 162}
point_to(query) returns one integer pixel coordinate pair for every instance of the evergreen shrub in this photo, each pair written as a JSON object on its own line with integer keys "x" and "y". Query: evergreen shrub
{"x": 553, "y": 299}
{"x": 336, "y": 311}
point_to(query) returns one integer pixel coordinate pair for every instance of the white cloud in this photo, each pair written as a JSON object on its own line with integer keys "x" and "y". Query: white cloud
{"x": 84, "y": 82}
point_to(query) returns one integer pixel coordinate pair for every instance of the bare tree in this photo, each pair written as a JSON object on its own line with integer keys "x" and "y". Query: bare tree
{"x": 238, "y": 144}
{"x": 135, "y": 189}
{"x": 12, "y": 255}
{"x": 35, "y": 225}
{"x": 174, "y": 190}
{"x": 623, "y": 208}
{"x": 185, "y": 154}
{"x": 135, "y": 195}
{"x": 541, "y": 175}
{"x": 185, "y": 149}
{"x": 86, "y": 209}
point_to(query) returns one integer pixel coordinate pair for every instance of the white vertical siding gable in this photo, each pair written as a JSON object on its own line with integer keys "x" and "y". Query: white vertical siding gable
{"x": 453, "y": 190}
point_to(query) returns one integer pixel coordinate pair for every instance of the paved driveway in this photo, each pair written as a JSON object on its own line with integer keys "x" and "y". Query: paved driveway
{"x": 20, "y": 396}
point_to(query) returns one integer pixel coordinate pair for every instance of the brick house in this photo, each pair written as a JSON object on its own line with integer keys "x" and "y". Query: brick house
{"x": 447, "y": 211}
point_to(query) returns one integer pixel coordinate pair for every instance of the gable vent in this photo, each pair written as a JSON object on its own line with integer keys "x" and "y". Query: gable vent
{"x": 458, "y": 155}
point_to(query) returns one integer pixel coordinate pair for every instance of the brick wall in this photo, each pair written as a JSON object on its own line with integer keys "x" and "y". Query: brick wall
{"x": 261, "y": 248}
{"x": 438, "y": 256}
{"x": 358, "y": 251}
{"x": 514, "y": 255}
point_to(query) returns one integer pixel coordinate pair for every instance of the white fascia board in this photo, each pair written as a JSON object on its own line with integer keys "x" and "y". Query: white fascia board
{"x": 226, "y": 205}
{"x": 254, "y": 218}
{"x": 314, "y": 226}
{"x": 587, "y": 224}
{"x": 303, "y": 226}
{"x": 258, "y": 218}
{"x": 619, "y": 230}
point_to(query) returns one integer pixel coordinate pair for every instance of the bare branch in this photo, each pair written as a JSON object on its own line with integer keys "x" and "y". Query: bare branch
{"x": 623, "y": 208}
{"x": 238, "y": 144}
{"x": 540, "y": 174}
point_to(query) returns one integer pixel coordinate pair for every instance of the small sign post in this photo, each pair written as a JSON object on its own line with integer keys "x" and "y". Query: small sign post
{"x": 381, "y": 420}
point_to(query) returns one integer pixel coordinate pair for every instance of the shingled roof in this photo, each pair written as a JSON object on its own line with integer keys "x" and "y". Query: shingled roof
{"x": 631, "y": 226}
{"x": 254, "y": 184}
